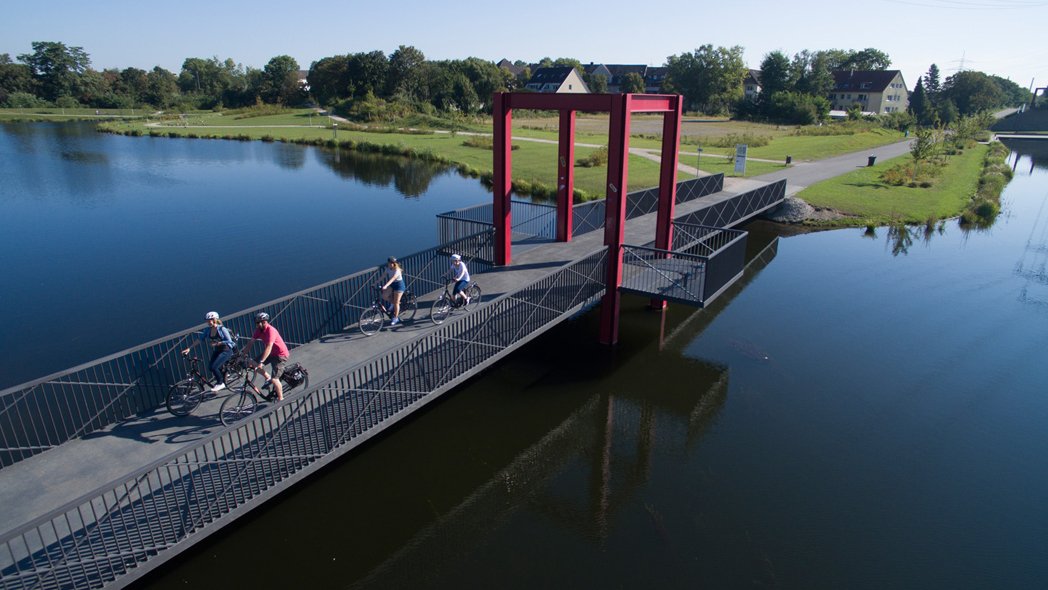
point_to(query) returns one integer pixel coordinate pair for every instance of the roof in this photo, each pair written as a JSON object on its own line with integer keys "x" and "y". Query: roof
{"x": 554, "y": 75}
{"x": 755, "y": 75}
{"x": 510, "y": 67}
{"x": 871, "y": 80}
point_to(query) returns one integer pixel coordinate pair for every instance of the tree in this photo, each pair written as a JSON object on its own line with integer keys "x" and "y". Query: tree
{"x": 161, "y": 88}
{"x": 633, "y": 83}
{"x": 867, "y": 59}
{"x": 279, "y": 83}
{"x": 55, "y": 68}
{"x": 973, "y": 92}
{"x": 1014, "y": 94}
{"x": 597, "y": 83}
{"x": 405, "y": 70}
{"x": 923, "y": 147}
{"x": 13, "y": 78}
{"x": 368, "y": 73}
{"x": 329, "y": 79}
{"x": 709, "y": 78}
{"x": 776, "y": 77}
{"x": 813, "y": 73}
{"x": 920, "y": 107}
{"x": 932, "y": 84}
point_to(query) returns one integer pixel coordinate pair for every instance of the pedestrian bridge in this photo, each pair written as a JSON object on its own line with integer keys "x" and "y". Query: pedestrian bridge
{"x": 99, "y": 485}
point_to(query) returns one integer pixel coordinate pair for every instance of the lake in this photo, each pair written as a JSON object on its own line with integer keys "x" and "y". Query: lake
{"x": 864, "y": 411}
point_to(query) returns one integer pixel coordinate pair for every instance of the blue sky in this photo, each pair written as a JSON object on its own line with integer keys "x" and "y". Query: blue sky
{"x": 1003, "y": 37}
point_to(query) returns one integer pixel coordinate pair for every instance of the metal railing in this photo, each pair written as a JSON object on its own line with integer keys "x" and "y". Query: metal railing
{"x": 740, "y": 207}
{"x": 707, "y": 261}
{"x": 539, "y": 220}
{"x": 47, "y": 412}
{"x": 125, "y": 529}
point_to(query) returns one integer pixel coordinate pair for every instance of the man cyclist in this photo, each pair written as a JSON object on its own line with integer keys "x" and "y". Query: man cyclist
{"x": 460, "y": 274}
{"x": 275, "y": 352}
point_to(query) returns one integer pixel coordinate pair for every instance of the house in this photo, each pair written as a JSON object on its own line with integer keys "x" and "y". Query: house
{"x": 874, "y": 91}
{"x": 510, "y": 67}
{"x": 751, "y": 85}
{"x": 653, "y": 79}
{"x": 618, "y": 75}
{"x": 564, "y": 79}
{"x": 593, "y": 70}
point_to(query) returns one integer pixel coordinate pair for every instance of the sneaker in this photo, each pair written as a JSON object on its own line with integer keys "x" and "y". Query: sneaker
{"x": 219, "y": 387}
{"x": 466, "y": 298}
{"x": 394, "y": 321}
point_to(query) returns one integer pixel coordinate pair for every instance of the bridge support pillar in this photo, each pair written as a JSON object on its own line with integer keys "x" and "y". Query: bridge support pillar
{"x": 615, "y": 214}
{"x": 565, "y": 175}
{"x": 667, "y": 182}
{"x": 502, "y": 181}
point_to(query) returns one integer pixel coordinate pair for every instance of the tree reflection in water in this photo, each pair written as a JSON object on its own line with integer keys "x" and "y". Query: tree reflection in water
{"x": 411, "y": 177}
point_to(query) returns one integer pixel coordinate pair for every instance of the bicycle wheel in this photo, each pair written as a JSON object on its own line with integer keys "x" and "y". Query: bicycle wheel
{"x": 234, "y": 369}
{"x": 473, "y": 292}
{"x": 184, "y": 397}
{"x": 236, "y": 407}
{"x": 440, "y": 310}
{"x": 371, "y": 321}
{"x": 408, "y": 307}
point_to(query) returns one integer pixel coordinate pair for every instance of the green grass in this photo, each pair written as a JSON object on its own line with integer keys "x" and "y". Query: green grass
{"x": 863, "y": 196}
{"x": 533, "y": 162}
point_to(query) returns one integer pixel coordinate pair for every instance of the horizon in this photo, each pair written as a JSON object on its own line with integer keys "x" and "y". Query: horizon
{"x": 147, "y": 36}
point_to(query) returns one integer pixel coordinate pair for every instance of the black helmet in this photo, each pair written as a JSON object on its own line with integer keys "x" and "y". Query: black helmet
{"x": 262, "y": 317}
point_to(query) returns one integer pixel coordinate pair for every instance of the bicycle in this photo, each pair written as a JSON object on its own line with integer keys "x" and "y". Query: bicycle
{"x": 446, "y": 302}
{"x": 373, "y": 318}
{"x": 241, "y": 405}
{"x": 185, "y": 396}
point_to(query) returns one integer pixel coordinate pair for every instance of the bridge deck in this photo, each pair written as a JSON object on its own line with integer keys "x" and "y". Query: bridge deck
{"x": 34, "y": 487}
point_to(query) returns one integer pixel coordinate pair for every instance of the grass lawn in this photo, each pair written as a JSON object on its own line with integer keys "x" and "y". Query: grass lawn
{"x": 534, "y": 162}
{"x": 861, "y": 193}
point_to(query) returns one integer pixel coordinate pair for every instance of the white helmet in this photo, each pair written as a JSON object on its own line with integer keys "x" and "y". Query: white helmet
{"x": 456, "y": 257}
{"x": 211, "y": 315}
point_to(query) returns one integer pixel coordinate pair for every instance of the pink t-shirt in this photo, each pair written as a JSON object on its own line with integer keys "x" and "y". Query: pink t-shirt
{"x": 270, "y": 334}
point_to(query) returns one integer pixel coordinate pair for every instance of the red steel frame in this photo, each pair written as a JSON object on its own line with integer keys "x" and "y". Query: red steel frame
{"x": 621, "y": 107}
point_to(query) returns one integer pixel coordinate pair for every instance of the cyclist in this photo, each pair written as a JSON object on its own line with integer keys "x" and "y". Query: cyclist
{"x": 217, "y": 338}
{"x": 275, "y": 352}
{"x": 394, "y": 287}
{"x": 460, "y": 274}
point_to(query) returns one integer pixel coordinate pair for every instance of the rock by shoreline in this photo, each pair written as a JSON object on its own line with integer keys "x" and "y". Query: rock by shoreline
{"x": 794, "y": 210}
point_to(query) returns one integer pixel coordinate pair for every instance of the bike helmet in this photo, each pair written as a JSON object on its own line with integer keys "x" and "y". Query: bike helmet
{"x": 391, "y": 260}
{"x": 262, "y": 317}
{"x": 211, "y": 315}
{"x": 456, "y": 257}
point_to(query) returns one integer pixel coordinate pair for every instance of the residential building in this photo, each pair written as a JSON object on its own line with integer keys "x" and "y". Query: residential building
{"x": 751, "y": 85}
{"x": 874, "y": 91}
{"x": 564, "y": 79}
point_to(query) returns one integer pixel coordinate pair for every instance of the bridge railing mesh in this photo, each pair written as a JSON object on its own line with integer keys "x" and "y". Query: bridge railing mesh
{"x": 47, "y": 412}
{"x": 126, "y": 528}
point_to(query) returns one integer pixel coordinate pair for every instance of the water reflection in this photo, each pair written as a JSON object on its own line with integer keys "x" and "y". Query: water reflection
{"x": 411, "y": 177}
{"x": 1027, "y": 154}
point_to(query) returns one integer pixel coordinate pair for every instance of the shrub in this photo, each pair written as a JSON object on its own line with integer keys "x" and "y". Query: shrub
{"x": 25, "y": 100}
{"x": 598, "y": 157}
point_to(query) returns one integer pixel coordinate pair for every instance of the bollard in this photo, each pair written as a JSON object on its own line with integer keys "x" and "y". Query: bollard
{"x": 789, "y": 160}
{"x": 871, "y": 161}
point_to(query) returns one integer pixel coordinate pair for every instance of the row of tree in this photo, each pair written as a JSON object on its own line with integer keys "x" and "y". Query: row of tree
{"x": 54, "y": 74}
{"x": 965, "y": 93}
{"x": 711, "y": 79}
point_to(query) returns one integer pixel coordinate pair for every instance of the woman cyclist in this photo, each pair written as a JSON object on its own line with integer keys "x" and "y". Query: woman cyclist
{"x": 394, "y": 287}
{"x": 460, "y": 274}
{"x": 217, "y": 338}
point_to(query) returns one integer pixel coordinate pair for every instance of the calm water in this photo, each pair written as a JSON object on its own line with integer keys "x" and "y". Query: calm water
{"x": 112, "y": 241}
{"x": 864, "y": 412}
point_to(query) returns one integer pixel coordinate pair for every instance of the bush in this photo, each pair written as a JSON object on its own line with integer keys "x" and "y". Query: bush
{"x": 25, "y": 100}
{"x": 599, "y": 157}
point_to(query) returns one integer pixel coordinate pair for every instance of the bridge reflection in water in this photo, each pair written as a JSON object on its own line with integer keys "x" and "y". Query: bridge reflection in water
{"x": 126, "y": 525}
{"x": 608, "y": 441}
